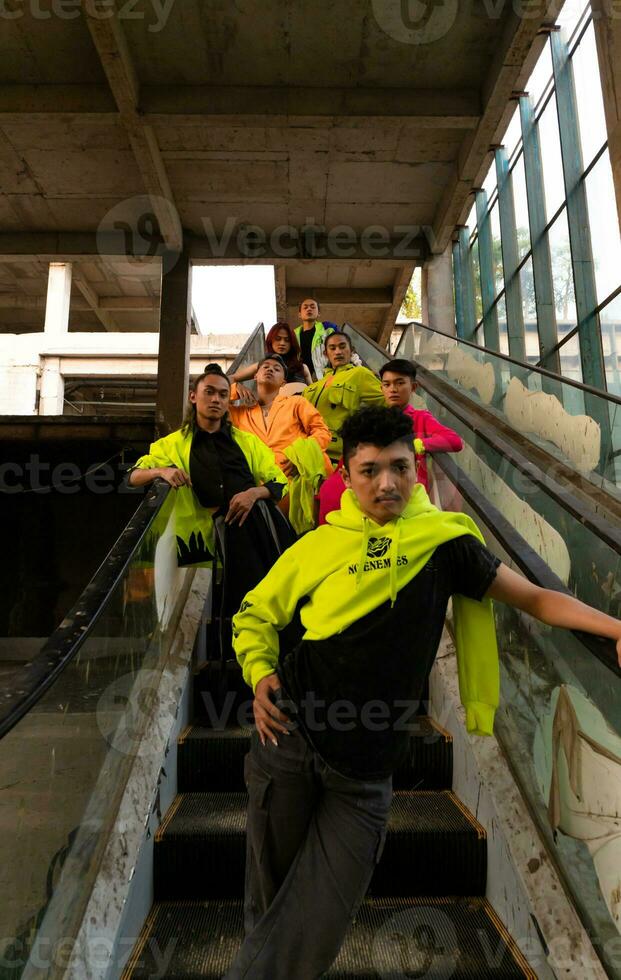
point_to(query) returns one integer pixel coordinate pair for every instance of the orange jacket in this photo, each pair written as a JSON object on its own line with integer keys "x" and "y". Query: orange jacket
{"x": 290, "y": 417}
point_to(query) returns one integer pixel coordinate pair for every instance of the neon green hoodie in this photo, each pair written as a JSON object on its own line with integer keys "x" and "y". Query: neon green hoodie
{"x": 330, "y": 566}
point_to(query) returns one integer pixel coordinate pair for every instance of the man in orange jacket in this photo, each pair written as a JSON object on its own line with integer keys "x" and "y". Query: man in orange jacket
{"x": 278, "y": 420}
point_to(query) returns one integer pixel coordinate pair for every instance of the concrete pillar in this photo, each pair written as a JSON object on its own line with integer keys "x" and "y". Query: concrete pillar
{"x": 438, "y": 309}
{"x": 280, "y": 284}
{"x": 608, "y": 38}
{"x": 174, "y": 348}
{"x": 52, "y": 390}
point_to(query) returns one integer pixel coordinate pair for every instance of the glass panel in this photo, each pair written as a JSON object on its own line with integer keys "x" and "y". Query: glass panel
{"x": 65, "y": 764}
{"x": 527, "y": 283}
{"x": 604, "y": 224}
{"x": 570, "y": 17}
{"x": 562, "y": 273}
{"x": 499, "y": 279}
{"x": 471, "y": 220}
{"x": 513, "y": 133}
{"x": 503, "y": 388}
{"x": 610, "y": 319}
{"x": 553, "y": 182}
{"x": 541, "y": 76}
{"x": 547, "y": 675}
{"x": 521, "y": 207}
{"x": 489, "y": 184}
{"x": 590, "y": 103}
{"x": 502, "y": 325}
{"x": 476, "y": 271}
{"x": 571, "y": 366}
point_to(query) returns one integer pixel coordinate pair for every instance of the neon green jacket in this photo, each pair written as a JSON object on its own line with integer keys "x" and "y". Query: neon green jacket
{"x": 318, "y": 567}
{"x": 193, "y": 523}
{"x": 351, "y": 388}
{"x": 317, "y": 352}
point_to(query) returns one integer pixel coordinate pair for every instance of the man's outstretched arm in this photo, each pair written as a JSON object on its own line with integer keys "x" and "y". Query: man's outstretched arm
{"x": 553, "y": 608}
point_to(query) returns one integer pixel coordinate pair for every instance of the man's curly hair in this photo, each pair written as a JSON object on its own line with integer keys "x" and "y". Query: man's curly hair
{"x": 375, "y": 427}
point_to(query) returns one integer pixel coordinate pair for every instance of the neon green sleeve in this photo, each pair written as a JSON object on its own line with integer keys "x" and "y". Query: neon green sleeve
{"x": 158, "y": 455}
{"x": 370, "y": 388}
{"x": 265, "y": 469}
{"x": 266, "y": 609}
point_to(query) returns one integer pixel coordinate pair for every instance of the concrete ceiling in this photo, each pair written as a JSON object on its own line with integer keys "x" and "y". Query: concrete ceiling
{"x": 216, "y": 116}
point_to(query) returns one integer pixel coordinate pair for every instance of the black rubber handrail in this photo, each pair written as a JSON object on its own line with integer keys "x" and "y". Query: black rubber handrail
{"x": 524, "y": 365}
{"x": 29, "y": 685}
{"x": 35, "y": 678}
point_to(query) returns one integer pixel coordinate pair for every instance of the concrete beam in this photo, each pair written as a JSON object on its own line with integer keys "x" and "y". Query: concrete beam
{"x": 118, "y": 304}
{"x": 58, "y": 298}
{"x": 399, "y": 289}
{"x": 174, "y": 346}
{"x": 382, "y": 297}
{"x": 502, "y": 80}
{"x": 92, "y": 301}
{"x": 405, "y": 250}
{"x": 194, "y": 105}
{"x": 111, "y": 45}
{"x": 280, "y": 285}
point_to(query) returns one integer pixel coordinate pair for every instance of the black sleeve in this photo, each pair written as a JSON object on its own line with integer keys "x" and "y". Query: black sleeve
{"x": 276, "y": 489}
{"x": 472, "y": 566}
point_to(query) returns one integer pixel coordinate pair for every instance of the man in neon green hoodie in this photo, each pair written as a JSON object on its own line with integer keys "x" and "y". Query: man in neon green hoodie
{"x": 372, "y": 588}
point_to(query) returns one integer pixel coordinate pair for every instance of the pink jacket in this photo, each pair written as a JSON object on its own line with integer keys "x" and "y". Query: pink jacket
{"x": 436, "y": 438}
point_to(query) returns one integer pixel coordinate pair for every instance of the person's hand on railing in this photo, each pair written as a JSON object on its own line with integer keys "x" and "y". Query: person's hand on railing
{"x": 245, "y": 395}
{"x": 176, "y": 477}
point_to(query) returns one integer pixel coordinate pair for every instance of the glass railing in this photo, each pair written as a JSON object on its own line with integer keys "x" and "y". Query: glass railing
{"x": 559, "y": 724}
{"x": 64, "y": 765}
{"x": 578, "y": 425}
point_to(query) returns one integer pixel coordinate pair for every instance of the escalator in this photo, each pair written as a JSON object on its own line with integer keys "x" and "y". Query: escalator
{"x": 146, "y": 852}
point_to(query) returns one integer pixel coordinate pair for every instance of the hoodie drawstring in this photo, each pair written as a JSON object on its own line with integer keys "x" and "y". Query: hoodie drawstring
{"x": 394, "y": 554}
{"x": 363, "y": 550}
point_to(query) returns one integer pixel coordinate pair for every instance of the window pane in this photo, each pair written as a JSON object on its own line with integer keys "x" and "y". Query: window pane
{"x": 521, "y": 207}
{"x": 591, "y": 117}
{"x": 476, "y": 268}
{"x": 541, "y": 76}
{"x": 562, "y": 273}
{"x": 528, "y": 295}
{"x": 499, "y": 280}
{"x": 610, "y": 318}
{"x": 489, "y": 184}
{"x": 604, "y": 227}
{"x": 513, "y": 134}
{"x": 502, "y": 325}
{"x": 553, "y": 183}
{"x": 570, "y": 16}
{"x": 570, "y": 356}
{"x": 471, "y": 220}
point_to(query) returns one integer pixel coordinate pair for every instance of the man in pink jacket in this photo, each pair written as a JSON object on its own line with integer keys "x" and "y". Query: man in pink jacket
{"x": 430, "y": 436}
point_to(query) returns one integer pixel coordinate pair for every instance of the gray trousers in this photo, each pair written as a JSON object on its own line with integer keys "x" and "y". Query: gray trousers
{"x": 313, "y": 840}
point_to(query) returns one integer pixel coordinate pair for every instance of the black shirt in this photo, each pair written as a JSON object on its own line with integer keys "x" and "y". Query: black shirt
{"x": 306, "y": 344}
{"x": 384, "y": 657}
{"x": 218, "y": 467}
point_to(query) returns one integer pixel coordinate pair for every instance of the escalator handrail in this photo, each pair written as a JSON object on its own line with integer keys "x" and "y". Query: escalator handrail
{"x": 58, "y": 651}
{"x": 524, "y": 556}
{"x": 239, "y": 360}
{"x": 524, "y": 365}
{"x": 37, "y": 676}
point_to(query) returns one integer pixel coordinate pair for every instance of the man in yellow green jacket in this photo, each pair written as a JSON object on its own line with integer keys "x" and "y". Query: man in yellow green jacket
{"x": 371, "y": 588}
{"x": 343, "y": 389}
{"x": 219, "y": 471}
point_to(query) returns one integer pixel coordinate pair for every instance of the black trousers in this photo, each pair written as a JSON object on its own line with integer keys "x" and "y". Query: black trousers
{"x": 313, "y": 840}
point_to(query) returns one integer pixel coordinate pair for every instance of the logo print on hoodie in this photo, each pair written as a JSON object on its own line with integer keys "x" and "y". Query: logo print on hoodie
{"x": 378, "y": 547}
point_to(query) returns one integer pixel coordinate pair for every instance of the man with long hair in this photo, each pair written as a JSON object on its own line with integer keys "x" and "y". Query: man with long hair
{"x": 219, "y": 471}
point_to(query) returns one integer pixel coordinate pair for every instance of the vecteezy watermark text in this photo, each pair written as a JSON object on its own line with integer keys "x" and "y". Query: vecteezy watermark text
{"x": 156, "y": 13}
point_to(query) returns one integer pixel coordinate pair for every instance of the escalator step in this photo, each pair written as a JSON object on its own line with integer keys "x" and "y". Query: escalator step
{"x": 433, "y": 847}
{"x": 392, "y": 937}
{"x": 211, "y": 759}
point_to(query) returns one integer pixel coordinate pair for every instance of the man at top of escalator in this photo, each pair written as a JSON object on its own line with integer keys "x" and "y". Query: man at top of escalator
{"x": 219, "y": 471}
{"x": 343, "y": 389}
{"x": 311, "y": 335}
